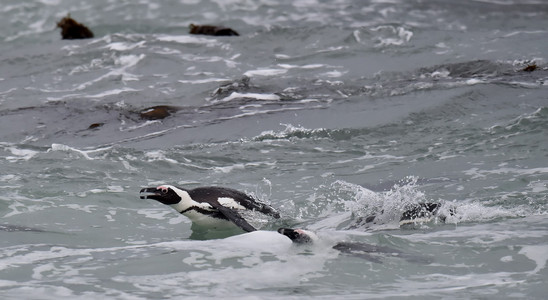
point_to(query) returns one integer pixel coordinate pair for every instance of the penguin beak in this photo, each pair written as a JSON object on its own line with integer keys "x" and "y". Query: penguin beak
{"x": 154, "y": 193}
{"x": 161, "y": 194}
{"x": 157, "y": 194}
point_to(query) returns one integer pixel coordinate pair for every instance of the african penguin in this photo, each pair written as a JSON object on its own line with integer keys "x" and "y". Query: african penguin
{"x": 210, "y": 206}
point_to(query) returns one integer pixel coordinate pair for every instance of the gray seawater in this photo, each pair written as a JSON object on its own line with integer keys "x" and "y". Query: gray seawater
{"x": 328, "y": 110}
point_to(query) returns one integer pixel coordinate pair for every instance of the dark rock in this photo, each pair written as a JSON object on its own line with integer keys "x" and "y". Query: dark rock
{"x": 70, "y": 29}
{"x": 530, "y": 68}
{"x": 95, "y": 125}
{"x": 158, "y": 112}
{"x": 212, "y": 30}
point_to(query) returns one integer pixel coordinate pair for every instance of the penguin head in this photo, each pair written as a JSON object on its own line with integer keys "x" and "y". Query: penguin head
{"x": 299, "y": 236}
{"x": 166, "y": 194}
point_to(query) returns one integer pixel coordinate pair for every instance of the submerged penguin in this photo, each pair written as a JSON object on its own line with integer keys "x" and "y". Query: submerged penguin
{"x": 217, "y": 207}
{"x": 365, "y": 251}
{"x": 416, "y": 213}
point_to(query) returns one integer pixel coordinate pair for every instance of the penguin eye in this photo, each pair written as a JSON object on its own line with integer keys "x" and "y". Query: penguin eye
{"x": 163, "y": 190}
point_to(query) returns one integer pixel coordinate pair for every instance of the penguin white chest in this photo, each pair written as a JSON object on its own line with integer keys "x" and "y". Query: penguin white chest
{"x": 207, "y": 220}
{"x": 230, "y": 203}
{"x": 204, "y": 214}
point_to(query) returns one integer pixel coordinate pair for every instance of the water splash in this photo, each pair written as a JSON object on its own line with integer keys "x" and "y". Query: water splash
{"x": 348, "y": 206}
{"x": 386, "y": 208}
{"x": 292, "y": 131}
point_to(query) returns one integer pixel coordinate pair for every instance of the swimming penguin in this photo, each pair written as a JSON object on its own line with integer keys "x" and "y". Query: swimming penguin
{"x": 365, "y": 251}
{"x": 417, "y": 213}
{"x": 211, "y": 206}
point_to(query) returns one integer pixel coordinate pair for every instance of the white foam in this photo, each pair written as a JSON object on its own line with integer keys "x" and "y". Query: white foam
{"x": 159, "y": 155}
{"x": 50, "y": 2}
{"x": 508, "y": 258}
{"x": 538, "y": 186}
{"x": 37, "y": 271}
{"x": 13, "y": 89}
{"x": 288, "y": 132}
{"x": 310, "y": 66}
{"x": 356, "y": 35}
{"x": 265, "y": 72}
{"x": 111, "y": 92}
{"x": 65, "y": 148}
{"x": 475, "y": 212}
{"x": 538, "y": 254}
{"x": 84, "y": 208}
{"x": 7, "y": 283}
{"x": 242, "y": 166}
{"x": 394, "y": 36}
{"x": 282, "y": 56}
{"x": 20, "y": 154}
{"x": 250, "y": 253}
{"x": 22, "y": 205}
{"x": 187, "y": 39}
{"x": 9, "y": 177}
{"x": 333, "y": 74}
{"x": 115, "y": 189}
{"x": 206, "y": 80}
{"x": 63, "y": 97}
{"x": 432, "y": 283}
{"x": 157, "y": 214}
{"x": 543, "y": 32}
{"x": 124, "y": 46}
{"x": 264, "y": 97}
{"x": 142, "y": 125}
{"x": 128, "y": 166}
{"x": 473, "y": 81}
{"x": 477, "y": 173}
{"x": 124, "y": 62}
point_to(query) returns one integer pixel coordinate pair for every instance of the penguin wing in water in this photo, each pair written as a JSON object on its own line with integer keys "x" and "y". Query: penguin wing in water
{"x": 211, "y": 195}
{"x": 233, "y": 216}
{"x": 361, "y": 250}
{"x": 366, "y": 251}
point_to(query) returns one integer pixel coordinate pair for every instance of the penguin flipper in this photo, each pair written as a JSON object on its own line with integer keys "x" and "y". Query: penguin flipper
{"x": 361, "y": 250}
{"x": 235, "y": 218}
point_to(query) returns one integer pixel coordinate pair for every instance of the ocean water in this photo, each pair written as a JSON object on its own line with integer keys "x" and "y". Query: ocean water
{"x": 330, "y": 111}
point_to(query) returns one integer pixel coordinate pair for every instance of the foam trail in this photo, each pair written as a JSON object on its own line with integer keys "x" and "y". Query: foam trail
{"x": 65, "y": 148}
{"x": 236, "y": 95}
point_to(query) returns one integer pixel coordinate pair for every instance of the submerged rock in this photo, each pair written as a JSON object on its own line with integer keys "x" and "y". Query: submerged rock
{"x": 70, "y": 29}
{"x": 530, "y": 68}
{"x": 95, "y": 125}
{"x": 158, "y": 112}
{"x": 212, "y": 30}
